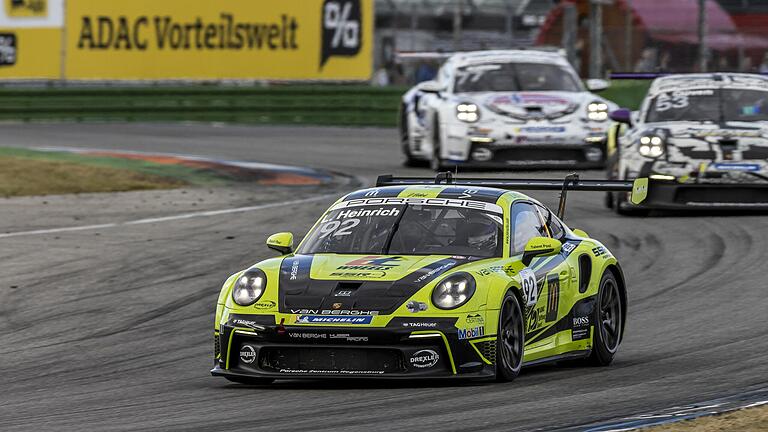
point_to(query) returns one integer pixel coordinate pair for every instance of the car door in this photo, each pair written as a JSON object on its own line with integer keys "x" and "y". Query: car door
{"x": 552, "y": 276}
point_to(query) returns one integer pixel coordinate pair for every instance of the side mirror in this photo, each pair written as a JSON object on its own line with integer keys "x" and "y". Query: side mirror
{"x": 597, "y": 85}
{"x": 540, "y": 246}
{"x": 281, "y": 242}
{"x": 581, "y": 233}
{"x": 621, "y": 115}
{"x": 430, "y": 87}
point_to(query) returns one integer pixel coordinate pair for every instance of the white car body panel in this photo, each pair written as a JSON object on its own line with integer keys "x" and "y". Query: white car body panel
{"x": 547, "y": 125}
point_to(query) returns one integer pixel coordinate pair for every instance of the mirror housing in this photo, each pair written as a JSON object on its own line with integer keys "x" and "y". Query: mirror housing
{"x": 581, "y": 233}
{"x": 281, "y": 242}
{"x": 621, "y": 115}
{"x": 540, "y": 246}
{"x": 430, "y": 87}
{"x": 597, "y": 85}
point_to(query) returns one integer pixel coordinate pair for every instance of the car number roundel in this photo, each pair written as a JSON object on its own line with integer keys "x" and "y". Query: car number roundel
{"x": 530, "y": 289}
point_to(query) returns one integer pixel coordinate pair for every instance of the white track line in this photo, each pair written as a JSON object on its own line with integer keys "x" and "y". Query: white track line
{"x": 167, "y": 218}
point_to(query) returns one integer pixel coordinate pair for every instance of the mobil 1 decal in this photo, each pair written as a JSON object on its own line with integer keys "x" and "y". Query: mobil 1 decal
{"x": 553, "y": 296}
{"x": 342, "y": 29}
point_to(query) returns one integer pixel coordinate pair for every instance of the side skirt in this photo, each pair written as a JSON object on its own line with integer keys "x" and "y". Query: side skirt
{"x": 573, "y": 355}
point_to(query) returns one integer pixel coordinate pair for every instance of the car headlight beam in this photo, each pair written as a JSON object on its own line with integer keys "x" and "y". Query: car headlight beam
{"x": 651, "y": 146}
{"x": 453, "y": 291}
{"x": 597, "y": 111}
{"x": 467, "y": 112}
{"x": 249, "y": 287}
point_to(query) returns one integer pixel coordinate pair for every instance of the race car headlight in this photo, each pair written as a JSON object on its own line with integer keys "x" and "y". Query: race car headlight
{"x": 467, "y": 112}
{"x": 453, "y": 291}
{"x": 249, "y": 287}
{"x": 597, "y": 111}
{"x": 651, "y": 146}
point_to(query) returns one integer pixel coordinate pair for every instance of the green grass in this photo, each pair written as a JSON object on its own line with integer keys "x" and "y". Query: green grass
{"x": 29, "y": 172}
{"x": 627, "y": 93}
{"x": 321, "y": 104}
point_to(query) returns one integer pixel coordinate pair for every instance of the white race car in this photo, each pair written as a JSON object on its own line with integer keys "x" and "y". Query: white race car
{"x": 702, "y": 139}
{"x": 512, "y": 108}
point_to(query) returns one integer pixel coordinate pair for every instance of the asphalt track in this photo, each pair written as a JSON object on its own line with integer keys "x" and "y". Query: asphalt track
{"x": 110, "y": 328}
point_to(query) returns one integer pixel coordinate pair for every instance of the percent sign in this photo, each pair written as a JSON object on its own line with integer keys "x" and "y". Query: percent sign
{"x": 345, "y": 32}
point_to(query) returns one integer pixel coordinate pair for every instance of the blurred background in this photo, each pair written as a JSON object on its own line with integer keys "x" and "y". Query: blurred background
{"x": 317, "y": 62}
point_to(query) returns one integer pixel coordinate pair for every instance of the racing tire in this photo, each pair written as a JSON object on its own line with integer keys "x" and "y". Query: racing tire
{"x": 608, "y": 321}
{"x": 510, "y": 339}
{"x": 250, "y": 380}
{"x": 405, "y": 140}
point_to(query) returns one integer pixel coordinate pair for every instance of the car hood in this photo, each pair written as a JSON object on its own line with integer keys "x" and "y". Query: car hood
{"x": 356, "y": 284}
{"x": 531, "y": 105}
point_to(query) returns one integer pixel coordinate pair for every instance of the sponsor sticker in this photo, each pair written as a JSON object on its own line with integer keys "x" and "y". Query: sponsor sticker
{"x": 331, "y": 372}
{"x": 415, "y": 306}
{"x": 580, "y": 328}
{"x": 425, "y": 358}
{"x": 247, "y": 323}
{"x": 541, "y": 129}
{"x": 736, "y": 167}
{"x": 471, "y": 333}
{"x": 247, "y": 354}
{"x": 269, "y": 304}
{"x": 420, "y": 324}
{"x": 330, "y": 319}
{"x": 372, "y": 263}
{"x": 474, "y": 319}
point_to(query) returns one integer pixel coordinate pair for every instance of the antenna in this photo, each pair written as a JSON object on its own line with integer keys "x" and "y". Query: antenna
{"x": 570, "y": 178}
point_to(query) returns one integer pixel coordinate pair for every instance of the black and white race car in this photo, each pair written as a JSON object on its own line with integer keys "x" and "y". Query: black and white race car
{"x": 510, "y": 108}
{"x": 701, "y": 139}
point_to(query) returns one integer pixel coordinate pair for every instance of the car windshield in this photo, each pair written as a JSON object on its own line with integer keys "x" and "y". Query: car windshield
{"x": 408, "y": 229}
{"x": 709, "y": 105}
{"x": 496, "y": 77}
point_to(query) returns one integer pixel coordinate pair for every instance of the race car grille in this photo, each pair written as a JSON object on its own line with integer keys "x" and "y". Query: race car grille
{"x": 731, "y": 195}
{"x": 337, "y": 361}
{"x": 488, "y": 350}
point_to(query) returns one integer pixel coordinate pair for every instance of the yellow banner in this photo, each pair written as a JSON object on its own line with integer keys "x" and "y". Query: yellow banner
{"x": 223, "y": 39}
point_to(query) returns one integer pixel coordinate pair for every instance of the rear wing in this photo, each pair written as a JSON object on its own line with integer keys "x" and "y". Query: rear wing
{"x": 638, "y": 188}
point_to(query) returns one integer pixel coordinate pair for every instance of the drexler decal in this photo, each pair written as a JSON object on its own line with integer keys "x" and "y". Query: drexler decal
{"x": 425, "y": 358}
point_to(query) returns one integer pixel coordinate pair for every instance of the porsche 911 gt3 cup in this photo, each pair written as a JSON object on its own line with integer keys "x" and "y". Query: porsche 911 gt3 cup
{"x": 702, "y": 139}
{"x": 514, "y": 108}
{"x": 413, "y": 279}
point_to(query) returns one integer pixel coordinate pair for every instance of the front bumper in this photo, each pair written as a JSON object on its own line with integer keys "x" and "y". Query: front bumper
{"x": 539, "y": 156}
{"x": 403, "y": 349}
{"x": 706, "y": 196}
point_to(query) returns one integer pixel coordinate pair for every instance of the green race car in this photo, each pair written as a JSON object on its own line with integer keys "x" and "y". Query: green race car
{"x": 426, "y": 278}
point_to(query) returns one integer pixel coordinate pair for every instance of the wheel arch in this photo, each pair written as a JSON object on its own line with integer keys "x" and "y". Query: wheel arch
{"x": 618, "y": 273}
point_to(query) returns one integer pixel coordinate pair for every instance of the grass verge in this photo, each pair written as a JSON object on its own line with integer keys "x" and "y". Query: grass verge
{"x": 28, "y": 172}
{"x": 746, "y": 420}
